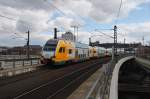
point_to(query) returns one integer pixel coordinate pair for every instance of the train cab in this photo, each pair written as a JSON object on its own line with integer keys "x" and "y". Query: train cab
{"x": 58, "y": 51}
{"x": 49, "y": 51}
{"x": 95, "y": 52}
{"x": 90, "y": 51}
{"x": 65, "y": 52}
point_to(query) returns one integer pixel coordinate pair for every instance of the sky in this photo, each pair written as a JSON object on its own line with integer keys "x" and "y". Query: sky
{"x": 93, "y": 17}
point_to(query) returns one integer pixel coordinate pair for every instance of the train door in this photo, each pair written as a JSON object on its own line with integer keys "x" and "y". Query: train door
{"x": 61, "y": 54}
{"x": 71, "y": 50}
{"x": 71, "y": 53}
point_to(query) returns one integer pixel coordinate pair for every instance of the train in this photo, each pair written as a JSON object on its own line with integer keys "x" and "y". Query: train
{"x": 62, "y": 51}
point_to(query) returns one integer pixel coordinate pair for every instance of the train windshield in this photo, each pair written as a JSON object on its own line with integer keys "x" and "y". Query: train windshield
{"x": 50, "y": 45}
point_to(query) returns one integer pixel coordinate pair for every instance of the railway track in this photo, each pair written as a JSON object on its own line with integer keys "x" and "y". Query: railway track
{"x": 44, "y": 92}
{"x": 13, "y": 79}
{"x": 134, "y": 88}
{"x": 134, "y": 81}
{"x": 41, "y": 70}
{"x": 47, "y": 85}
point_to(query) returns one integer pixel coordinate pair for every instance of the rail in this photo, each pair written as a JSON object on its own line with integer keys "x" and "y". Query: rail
{"x": 73, "y": 77}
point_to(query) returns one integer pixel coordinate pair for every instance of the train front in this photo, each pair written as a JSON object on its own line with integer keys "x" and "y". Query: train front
{"x": 48, "y": 52}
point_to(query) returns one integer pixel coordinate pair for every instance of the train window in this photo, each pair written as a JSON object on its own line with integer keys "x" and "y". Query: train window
{"x": 62, "y": 49}
{"x": 76, "y": 52}
{"x": 70, "y": 51}
{"x": 50, "y": 45}
{"x": 49, "y": 49}
{"x": 90, "y": 51}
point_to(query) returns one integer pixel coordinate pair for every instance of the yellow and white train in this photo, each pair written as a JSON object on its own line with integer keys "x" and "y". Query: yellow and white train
{"x": 60, "y": 51}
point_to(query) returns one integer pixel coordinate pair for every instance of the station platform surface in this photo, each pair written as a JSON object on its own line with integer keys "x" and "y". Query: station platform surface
{"x": 83, "y": 90}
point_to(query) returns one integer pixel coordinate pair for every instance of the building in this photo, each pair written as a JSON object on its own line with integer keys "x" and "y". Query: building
{"x": 34, "y": 49}
{"x": 3, "y": 50}
{"x": 143, "y": 51}
{"x": 69, "y": 36}
{"x": 22, "y": 50}
{"x": 119, "y": 45}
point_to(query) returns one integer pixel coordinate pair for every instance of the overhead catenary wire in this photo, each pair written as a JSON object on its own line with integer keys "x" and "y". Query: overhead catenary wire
{"x": 75, "y": 16}
{"x": 104, "y": 33}
{"x": 64, "y": 14}
{"x": 9, "y": 18}
{"x": 12, "y": 19}
{"x": 118, "y": 12}
{"x": 55, "y": 7}
{"x": 118, "y": 15}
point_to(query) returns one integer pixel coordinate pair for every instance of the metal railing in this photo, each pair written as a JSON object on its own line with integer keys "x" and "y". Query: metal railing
{"x": 100, "y": 89}
{"x": 13, "y": 63}
{"x": 5, "y": 57}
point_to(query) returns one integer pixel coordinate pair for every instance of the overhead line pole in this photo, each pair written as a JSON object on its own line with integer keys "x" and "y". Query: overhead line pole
{"x": 28, "y": 44}
{"x": 115, "y": 40}
{"x": 74, "y": 27}
{"x": 124, "y": 44}
{"x": 77, "y": 34}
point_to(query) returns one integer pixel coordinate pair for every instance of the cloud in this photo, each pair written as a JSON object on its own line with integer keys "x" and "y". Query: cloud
{"x": 134, "y": 32}
{"x": 39, "y": 16}
{"x": 20, "y": 20}
{"x": 106, "y": 10}
{"x": 33, "y": 21}
{"x": 65, "y": 23}
{"x": 26, "y": 4}
{"x": 101, "y": 11}
{"x": 61, "y": 22}
{"x": 21, "y": 16}
{"x": 74, "y": 7}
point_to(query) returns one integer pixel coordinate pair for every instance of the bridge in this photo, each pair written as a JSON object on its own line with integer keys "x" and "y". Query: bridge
{"x": 101, "y": 78}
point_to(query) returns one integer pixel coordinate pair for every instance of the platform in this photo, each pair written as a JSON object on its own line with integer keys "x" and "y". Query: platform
{"x": 83, "y": 90}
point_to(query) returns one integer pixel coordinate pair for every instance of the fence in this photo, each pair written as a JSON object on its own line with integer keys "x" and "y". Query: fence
{"x": 5, "y": 57}
{"x": 101, "y": 88}
{"x": 10, "y": 67}
{"x": 13, "y": 63}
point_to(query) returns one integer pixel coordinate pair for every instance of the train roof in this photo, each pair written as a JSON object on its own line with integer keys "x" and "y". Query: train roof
{"x": 77, "y": 44}
{"x": 55, "y": 41}
{"x": 52, "y": 41}
{"x": 81, "y": 45}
